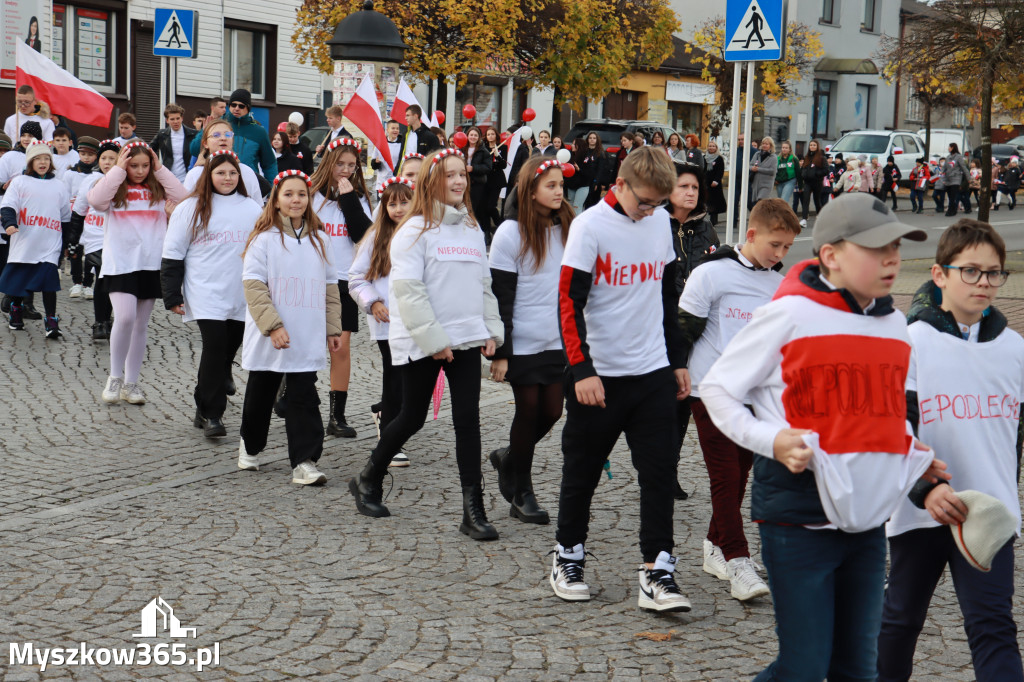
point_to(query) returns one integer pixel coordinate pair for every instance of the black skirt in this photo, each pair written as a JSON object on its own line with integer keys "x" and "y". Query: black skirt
{"x": 142, "y": 284}
{"x": 546, "y": 367}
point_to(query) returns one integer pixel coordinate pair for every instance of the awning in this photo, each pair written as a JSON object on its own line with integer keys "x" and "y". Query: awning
{"x": 829, "y": 65}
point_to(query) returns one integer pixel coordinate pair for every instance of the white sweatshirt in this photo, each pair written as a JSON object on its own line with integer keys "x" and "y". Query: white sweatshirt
{"x": 92, "y": 231}
{"x": 41, "y": 205}
{"x": 367, "y": 292}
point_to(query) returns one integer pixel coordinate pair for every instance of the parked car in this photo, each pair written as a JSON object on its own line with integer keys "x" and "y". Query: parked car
{"x": 941, "y": 139}
{"x": 1001, "y": 153}
{"x": 903, "y": 145}
{"x": 610, "y": 130}
{"x": 1016, "y": 141}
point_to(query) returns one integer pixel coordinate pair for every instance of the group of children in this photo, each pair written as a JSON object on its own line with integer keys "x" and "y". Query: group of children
{"x": 811, "y": 380}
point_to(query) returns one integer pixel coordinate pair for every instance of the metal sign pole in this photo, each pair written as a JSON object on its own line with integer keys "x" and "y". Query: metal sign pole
{"x": 748, "y": 110}
{"x": 734, "y": 169}
{"x": 166, "y": 73}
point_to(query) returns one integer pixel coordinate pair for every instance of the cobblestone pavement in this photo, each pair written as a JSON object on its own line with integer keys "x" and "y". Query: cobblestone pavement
{"x": 103, "y": 508}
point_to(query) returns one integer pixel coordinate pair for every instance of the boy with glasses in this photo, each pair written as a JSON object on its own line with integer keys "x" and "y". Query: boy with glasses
{"x": 27, "y": 110}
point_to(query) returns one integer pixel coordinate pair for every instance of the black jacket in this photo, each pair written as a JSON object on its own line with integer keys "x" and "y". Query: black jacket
{"x": 161, "y": 144}
{"x": 426, "y": 141}
{"x": 693, "y": 240}
{"x": 481, "y": 164}
{"x": 289, "y": 162}
{"x": 522, "y": 154}
{"x": 302, "y": 148}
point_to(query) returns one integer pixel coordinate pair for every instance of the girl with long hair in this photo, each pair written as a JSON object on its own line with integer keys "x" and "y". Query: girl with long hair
{"x": 286, "y": 158}
{"x": 586, "y": 156}
{"x": 201, "y": 278}
{"x": 342, "y": 203}
{"x": 676, "y": 149}
{"x": 442, "y": 311}
{"x": 368, "y": 286}
{"x": 135, "y": 193}
{"x": 525, "y": 260}
{"x": 219, "y": 136}
{"x": 292, "y": 307}
{"x": 478, "y": 165}
{"x": 489, "y": 216}
{"x": 814, "y": 169}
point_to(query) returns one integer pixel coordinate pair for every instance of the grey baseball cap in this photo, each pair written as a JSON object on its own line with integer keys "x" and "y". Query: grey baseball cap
{"x": 863, "y": 220}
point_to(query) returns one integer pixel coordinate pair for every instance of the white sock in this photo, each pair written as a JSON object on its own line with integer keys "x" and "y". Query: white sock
{"x": 665, "y": 562}
{"x": 574, "y": 553}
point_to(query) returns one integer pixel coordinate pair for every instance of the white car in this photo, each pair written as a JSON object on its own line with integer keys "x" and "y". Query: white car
{"x": 904, "y": 146}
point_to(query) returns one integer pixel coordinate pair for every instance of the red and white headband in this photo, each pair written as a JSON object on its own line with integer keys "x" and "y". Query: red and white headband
{"x": 412, "y": 155}
{"x": 284, "y": 175}
{"x": 224, "y": 152}
{"x": 130, "y": 145}
{"x": 396, "y": 181}
{"x": 113, "y": 142}
{"x": 443, "y": 154}
{"x": 344, "y": 142}
{"x": 553, "y": 163}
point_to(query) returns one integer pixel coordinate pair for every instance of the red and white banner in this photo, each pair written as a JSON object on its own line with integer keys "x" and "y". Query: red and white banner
{"x": 364, "y": 113}
{"x": 403, "y": 98}
{"x": 65, "y": 94}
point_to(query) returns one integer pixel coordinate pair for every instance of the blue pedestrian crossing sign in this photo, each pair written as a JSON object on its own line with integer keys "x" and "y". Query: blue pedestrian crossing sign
{"x": 174, "y": 33}
{"x": 755, "y": 30}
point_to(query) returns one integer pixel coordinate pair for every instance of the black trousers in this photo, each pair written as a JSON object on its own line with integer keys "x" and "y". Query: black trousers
{"x": 644, "y": 409}
{"x": 886, "y": 191}
{"x": 391, "y": 393}
{"x": 221, "y": 340}
{"x": 952, "y": 199}
{"x": 101, "y": 307}
{"x": 418, "y": 381}
{"x": 302, "y": 422}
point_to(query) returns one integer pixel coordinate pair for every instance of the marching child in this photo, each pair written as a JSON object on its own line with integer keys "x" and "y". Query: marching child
{"x": 368, "y": 286}
{"x": 937, "y": 183}
{"x": 410, "y": 168}
{"x": 823, "y": 365}
{"x": 134, "y": 194}
{"x": 285, "y": 332}
{"x": 126, "y": 125}
{"x": 73, "y": 177}
{"x": 719, "y": 299}
{"x": 64, "y": 156}
{"x": 953, "y": 316}
{"x": 442, "y": 311}
{"x": 201, "y": 278}
{"x": 526, "y": 255}
{"x": 218, "y": 136}
{"x": 35, "y": 214}
{"x": 87, "y": 229}
{"x": 890, "y": 182}
{"x": 342, "y": 204}
{"x": 919, "y": 179}
{"x": 617, "y": 277}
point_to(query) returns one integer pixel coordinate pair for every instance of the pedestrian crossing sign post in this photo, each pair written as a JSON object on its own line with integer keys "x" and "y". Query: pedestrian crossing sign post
{"x": 174, "y": 33}
{"x": 755, "y": 30}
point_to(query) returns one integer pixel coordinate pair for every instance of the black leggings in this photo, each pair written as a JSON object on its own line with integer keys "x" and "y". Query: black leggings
{"x": 49, "y": 302}
{"x": 221, "y": 340}
{"x": 391, "y": 393}
{"x": 418, "y": 381}
{"x": 538, "y": 407}
{"x": 805, "y": 200}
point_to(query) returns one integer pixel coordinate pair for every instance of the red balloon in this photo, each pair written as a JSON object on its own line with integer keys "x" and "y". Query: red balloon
{"x": 568, "y": 170}
{"x": 529, "y": 115}
{"x": 440, "y": 118}
{"x": 469, "y": 111}
{"x": 460, "y": 140}
{"x": 282, "y": 126}
{"x": 505, "y": 135}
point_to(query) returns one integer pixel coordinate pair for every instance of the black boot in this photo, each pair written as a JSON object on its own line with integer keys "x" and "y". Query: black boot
{"x": 524, "y": 504}
{"x": 29, "y": 310}
{"x": 337, "y": 426}
{"x": 474, "y": 518}
{"x": 197, "y": 421}
{"x": 213, "y": 427}
{"x": 506, "y": 480}
{"x": 368, "y": 489}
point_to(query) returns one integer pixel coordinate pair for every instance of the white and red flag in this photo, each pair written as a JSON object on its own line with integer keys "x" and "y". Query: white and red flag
{"x": 364, "y": 112}
{"x": 403, "y": 99}
{"x": 65, "y": 94}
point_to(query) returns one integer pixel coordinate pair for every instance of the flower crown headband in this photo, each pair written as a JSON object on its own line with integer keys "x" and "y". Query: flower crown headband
{"x": 283, "y": 175}
{"x": 224, "y": 152}
{"x": 396, "y": 181}
{"x": 443, "y": 154}
{"x": 344, "y": 142}
{"x": 554, "y": 163}
{"x": 111, "y": 142}
{"x": 130, "y": 145}
{"x": 412, "y": 155}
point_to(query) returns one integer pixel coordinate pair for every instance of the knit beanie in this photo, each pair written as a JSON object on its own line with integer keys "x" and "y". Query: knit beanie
{"x": 243, "y": 96}
{"x": 35, "y": 149}
{"x": 5, "y": 142}
{"x": 89, "y": 143}
{"x": 32, "y": 128}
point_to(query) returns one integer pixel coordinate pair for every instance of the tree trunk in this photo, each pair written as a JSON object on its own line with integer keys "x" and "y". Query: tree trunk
{"x": 556, "y": 113}
{"x": 442, "y": 97}
{"x": 988, "y": 78}
{"x": 927, "y": 131}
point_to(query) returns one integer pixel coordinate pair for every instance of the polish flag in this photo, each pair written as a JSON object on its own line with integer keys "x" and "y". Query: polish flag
{"x": 364, "y": 112}
{"x": 403, "y": 98}
{"x": 65, "y": 94}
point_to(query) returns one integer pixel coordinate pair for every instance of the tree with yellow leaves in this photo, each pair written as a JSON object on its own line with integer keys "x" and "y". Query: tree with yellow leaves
{"x": 778, "y": 79}
{"x": 581, "y": 49}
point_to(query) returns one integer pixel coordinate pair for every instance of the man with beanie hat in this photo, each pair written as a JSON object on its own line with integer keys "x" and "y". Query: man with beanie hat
{"x": 252, "y": 143}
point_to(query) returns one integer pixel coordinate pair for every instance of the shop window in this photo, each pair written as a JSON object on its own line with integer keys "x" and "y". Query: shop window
{"x": 486, "y": 99}
{"x": 83, "y": 43}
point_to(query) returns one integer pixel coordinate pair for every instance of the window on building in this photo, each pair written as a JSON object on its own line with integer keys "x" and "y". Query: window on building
{"x": 829, "y": 12}
{"x": 961, "y": 117}
{"x": 83, "y": 43}
{"x": 863, "y": 102}
{"x": 246, "y": 59}
{"x": 486, "y": 99}
{"x": 915, "y": 110}
{"x": 822, "y": 108}
{"x": 870, "y": 6}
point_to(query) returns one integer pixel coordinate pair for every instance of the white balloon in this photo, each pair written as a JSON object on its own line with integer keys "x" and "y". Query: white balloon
{"x": 297, "y": 118}
{"x": 526, "y": 132}
{"x": 563, "y": 156}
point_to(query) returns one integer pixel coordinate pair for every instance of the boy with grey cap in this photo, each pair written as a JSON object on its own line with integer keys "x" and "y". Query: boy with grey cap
{"x": 823, "y": 365}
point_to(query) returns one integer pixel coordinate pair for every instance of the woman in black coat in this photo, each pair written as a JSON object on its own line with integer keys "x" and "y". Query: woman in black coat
{"x": 488, "y": 215}
{"x": 715, "y": 166}
{"x": 478, "y": 165}
{"x": 286, "y": 159}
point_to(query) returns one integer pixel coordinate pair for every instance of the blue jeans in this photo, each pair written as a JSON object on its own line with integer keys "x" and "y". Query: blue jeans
{"x": 919, "y": 558}
{"x": 916, "y": 199}
{"x": 827, "y": 587}
{"x": 785, "y": 190}
{"x": 577, "y": 197}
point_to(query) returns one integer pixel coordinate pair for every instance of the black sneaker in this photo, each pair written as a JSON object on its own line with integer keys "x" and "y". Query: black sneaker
{"x": 52, "y": 330}
{"x": 15, "y": 319}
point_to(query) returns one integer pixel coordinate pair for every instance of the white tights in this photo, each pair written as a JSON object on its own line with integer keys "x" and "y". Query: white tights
{"x": 128, "y": 335}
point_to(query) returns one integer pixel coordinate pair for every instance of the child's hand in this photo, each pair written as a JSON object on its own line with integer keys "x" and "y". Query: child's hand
{"x": 498, "y": 369}
{"x": 122, "y": 158}
{"x": 279, "y": 337}
{"x": 380, "y": 312}
{"x": 444, "y": 355}
{"x": 590, "y": 391}
{"x": 345, "y": 186}
{"x": 683, "y": 381}
{"x": 155, "y": 159}
{"x": 791, "y": 451}
{"x": 11, "y": 230}
{"x": 936, "y": 471}
{"x": 945, "y": 507}
{"x": 489, "y": 348}
{"x": 178, "y": 309}
{"x": 334, "y": 343}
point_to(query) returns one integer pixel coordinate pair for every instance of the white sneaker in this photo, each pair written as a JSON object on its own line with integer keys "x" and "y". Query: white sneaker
{"x": 246, "y": 462}
{"x": 132, "y": 393}
{"x": 87, "y": 293}
{"x": 714, "y": 561}
{"x": 746, "y": 583}
{"x": 658, "y": 589}
{"x": 307, "y": 474}
{"x": 112, "y": 391}
{"x": 399, "y": 460}
{"x": 803, "y": 222}
{"x": 76, "y": 291}
{"x": 566, "y": 575}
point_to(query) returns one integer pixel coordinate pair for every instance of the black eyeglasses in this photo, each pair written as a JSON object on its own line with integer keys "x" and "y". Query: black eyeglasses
{"x": 968, "y": 275}
{"x": 643, "y": 205}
